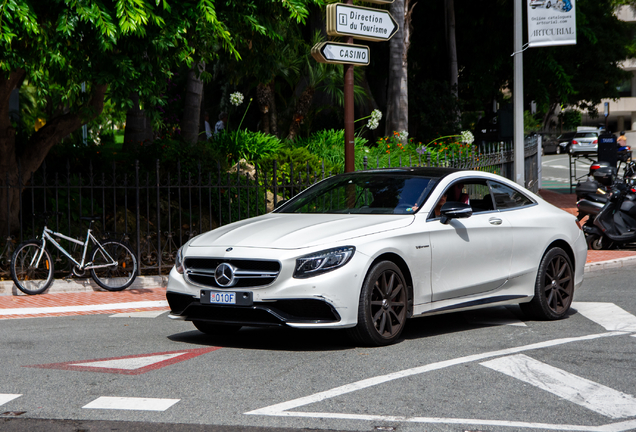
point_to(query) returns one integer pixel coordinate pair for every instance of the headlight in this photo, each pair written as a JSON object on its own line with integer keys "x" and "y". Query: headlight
{"x": 323, "y": 261}
{"x": 178, "y": 263}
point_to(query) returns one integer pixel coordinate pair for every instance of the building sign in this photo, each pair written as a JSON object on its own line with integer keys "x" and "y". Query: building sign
{"x": 551, "y": 23}
{"x": 333, "y": 52}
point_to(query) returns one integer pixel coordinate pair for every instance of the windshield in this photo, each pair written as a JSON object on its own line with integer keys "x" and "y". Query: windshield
{"x": 363, "y": 194}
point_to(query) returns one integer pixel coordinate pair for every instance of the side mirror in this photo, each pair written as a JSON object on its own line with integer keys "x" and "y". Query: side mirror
{"x": 455, "y": 210}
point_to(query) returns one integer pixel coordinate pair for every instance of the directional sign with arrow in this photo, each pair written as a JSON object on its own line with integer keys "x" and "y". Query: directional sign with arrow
{"x": 334, "y": 52}
{"x": 360, "y": 22}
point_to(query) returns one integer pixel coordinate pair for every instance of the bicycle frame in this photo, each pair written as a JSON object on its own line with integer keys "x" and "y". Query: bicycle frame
{"x": 47, "y": 235}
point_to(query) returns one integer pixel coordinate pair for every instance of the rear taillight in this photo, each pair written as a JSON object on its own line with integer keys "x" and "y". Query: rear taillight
{"x": 594, "y": 167}
{"x": 595, "y": 142}
{"x": 575, "y": 142}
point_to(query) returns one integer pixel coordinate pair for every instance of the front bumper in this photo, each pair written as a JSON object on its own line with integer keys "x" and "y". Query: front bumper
{"x": 329, "y": 300}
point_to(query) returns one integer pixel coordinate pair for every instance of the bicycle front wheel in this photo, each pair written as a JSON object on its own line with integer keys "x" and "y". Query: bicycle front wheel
{"x": 31, "y": 273}
{"x": 116, "y": 265}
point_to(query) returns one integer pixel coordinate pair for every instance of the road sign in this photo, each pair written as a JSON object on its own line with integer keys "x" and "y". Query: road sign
{"x": 333, "y": 52}
{"x": 360, "y": 22}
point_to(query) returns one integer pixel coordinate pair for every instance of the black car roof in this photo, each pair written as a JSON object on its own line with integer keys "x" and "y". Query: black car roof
{"x": 432, "y": 172}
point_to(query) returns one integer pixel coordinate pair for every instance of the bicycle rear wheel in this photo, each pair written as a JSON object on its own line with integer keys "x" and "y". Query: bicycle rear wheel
{"x": 29, "y": 275}
{"x": 115, "y": 276}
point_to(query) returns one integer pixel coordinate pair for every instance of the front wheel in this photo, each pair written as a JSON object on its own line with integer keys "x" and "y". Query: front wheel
{"x": 32, "y": 273}
{"x": 554, "y": 287}
{"x": 382, "y": 306}
{"x": 116, "y": 265}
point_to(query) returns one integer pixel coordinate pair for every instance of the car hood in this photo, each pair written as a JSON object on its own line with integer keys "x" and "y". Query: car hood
{"x": 295, "y": 231}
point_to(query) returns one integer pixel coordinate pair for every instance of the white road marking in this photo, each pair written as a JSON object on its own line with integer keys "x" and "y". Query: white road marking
{"x": 131, "y": 403}
{"x": 578, "y": 390}
{"x": 142, "y": 314}
{"x": 280, "y": 408}
{"x": 87, "y": 308}
{"x": 130, "y": 363}
{"x": 607, "y": 315}
{"x": 4, "y": 397}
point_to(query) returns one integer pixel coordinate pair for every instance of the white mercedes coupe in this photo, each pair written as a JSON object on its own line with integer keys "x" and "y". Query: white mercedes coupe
{"x": 364, "y": 251}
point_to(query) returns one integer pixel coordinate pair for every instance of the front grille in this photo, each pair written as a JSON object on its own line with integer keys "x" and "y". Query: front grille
{"x": 248, "y": 274}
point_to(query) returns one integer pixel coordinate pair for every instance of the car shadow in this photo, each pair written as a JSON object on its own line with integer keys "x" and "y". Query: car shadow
{"x": 291, "y": 339}
{"x": 271, "y": 339}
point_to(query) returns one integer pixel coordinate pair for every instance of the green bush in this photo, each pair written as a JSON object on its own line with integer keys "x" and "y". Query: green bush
{"x": 245, "y": 144}
{"x": 328, "y": 145}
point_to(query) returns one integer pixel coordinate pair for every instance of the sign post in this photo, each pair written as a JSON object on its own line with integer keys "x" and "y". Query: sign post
{"x": 349, "y": 21}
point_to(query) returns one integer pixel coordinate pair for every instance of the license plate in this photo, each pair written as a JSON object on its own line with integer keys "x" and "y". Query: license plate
{"x": 222, "y": 298}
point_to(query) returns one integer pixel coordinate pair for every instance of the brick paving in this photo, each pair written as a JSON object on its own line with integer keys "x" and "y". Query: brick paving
{"x": 132, "y": 300}
{"x": 153, "y": 299}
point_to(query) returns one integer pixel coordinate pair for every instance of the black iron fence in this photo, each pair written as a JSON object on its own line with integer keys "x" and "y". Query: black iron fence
{"x": 157, "y": 211}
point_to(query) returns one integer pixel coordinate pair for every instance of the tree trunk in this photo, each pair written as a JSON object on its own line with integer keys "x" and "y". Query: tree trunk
{"x": 18, "y": 165}
{"x": 397, "y": 116}
{"x": 263, "y": 97}
{"x": 192, "y": 104}
{"x": 138, "y": 126}
{"x": 302, "y": 108}
{"x": 449, "y": 9}
{"x": 273, "y": 113}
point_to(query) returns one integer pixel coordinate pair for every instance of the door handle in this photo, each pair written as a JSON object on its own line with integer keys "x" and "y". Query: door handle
{"x": 495, "y": 221}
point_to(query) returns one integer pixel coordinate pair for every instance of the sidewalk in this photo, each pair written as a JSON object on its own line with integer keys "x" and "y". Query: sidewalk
{"x": 147, "y": 296}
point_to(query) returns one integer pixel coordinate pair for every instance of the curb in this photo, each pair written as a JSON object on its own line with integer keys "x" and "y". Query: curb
{"x": 611, "y": 264}
{"x": 8, "y": 288}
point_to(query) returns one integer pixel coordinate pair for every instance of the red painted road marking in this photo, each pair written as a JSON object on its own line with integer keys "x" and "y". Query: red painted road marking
{"x": 128, "y": 365}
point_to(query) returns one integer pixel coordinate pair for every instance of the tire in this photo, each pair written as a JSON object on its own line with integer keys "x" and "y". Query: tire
{"x": 548, "y": 5}
{"x": 215, "y": 329}
{"x": 558, "y": 149}
{"x": 554, "y": 287}
{"x": 114, "y": 278}
{"x": 28, "y": 279}
{"x": 382, "y": 307}
{"x": 594, "y": 242}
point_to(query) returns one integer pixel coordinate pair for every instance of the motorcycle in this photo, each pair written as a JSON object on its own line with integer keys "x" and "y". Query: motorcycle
{"x": 592, "y": 202}
{"x": 616, "y": 221}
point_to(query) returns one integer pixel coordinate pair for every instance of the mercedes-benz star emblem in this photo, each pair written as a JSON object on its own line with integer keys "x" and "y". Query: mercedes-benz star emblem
{"x": 224, "y": 275}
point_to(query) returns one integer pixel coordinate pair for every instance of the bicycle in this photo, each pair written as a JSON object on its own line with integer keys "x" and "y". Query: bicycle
{"x": 112, "y": 264}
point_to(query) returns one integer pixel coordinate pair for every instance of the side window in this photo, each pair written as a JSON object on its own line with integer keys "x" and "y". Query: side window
{"x": 507, "y": 197}
{"x": 479, "y": 196}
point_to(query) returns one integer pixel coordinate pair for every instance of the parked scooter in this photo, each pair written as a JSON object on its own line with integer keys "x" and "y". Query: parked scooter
{"x": 592, "y": 202}
{"x": 616, "y": 222}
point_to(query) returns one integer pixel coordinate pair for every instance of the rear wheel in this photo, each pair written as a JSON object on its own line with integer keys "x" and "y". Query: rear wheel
{"x": 117, "y": 275}
{"x": 31, "y": 273}
{"x": 215, "y": 329}
{"x": 554, "y": 287}
{"x": 382, "y": 307}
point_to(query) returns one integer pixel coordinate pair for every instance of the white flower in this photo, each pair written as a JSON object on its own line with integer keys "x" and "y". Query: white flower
{"x": 373, "y": 123}
{"x": 467, "y": 137}
{"x": 236, "y": 98}
{"x": 376, "y": 115}
{"x": 404, "y": 134}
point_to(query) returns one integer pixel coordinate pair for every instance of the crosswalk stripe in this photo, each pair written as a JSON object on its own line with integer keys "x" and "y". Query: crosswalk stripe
{"x": 607, "y": 315}
{"x": 4, "y": 397}
{"x": 581, "y": 391}
{"x": 131, "y": 403}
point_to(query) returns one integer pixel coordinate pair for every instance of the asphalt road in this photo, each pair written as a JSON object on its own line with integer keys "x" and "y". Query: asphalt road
{"x": 555, "y": 171}
{"x": 488, "y": 370}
